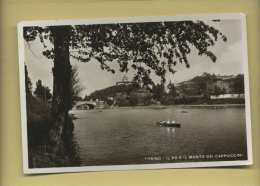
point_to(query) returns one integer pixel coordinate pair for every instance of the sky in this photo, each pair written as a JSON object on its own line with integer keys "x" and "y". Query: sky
{"x": 229, "y": 62}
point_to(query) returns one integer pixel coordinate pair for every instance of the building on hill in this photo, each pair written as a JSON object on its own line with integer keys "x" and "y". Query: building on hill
{"x": 123, "y": 93}
{"x": 224, "y": 83}
{"x": 125, "y": 81}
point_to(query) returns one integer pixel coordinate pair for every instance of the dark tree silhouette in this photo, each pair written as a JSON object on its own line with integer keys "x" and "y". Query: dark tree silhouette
{"x": 142, "y": 78}
{"x": 42, "y": 92}
{"x": 172, "y": 89}
{"x": 76, "y": 87}
{"x": 158, "y": 91}
{"x": 203, "y": 81}
{"x": 28, "y": 83}
{"x": 28, "y": 87}
{"x": 146, "y": 47}
{"x": 217, "y": 90}
{"x": 238, "y": 84}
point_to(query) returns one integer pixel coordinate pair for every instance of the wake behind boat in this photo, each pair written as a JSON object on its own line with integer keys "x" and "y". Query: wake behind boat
{"x": 168, "y": 124}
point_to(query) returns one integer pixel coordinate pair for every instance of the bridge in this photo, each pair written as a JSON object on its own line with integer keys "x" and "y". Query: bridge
{"x": 85, "y": 105}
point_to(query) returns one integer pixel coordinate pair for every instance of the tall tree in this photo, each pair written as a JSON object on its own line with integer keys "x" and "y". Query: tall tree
{"x": 238, "y": 84}
{"x": 154, "y": 46}
{"x": 158, "y": 92}
{"x": 76, "y": 87}
{"x": 172, "y": 90}
{"x": 42, "y": 92}
{"x": 28, "y": 83}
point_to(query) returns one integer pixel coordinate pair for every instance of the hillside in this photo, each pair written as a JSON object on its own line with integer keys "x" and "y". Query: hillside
{"x": 211, "y": 84}
{"x": 112, "y": 91}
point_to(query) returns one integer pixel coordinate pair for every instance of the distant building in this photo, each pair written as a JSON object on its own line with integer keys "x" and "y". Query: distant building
{"x": 125, "y": 81}
{"x": 100, "y": 104}
{"x": 223, "y": 83}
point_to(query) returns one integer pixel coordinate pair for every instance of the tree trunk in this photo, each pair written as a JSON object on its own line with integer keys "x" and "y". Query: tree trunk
{"x": 61, "y": 82}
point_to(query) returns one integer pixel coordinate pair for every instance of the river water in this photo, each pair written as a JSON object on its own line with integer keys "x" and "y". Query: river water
{"x": 131, "y": 136}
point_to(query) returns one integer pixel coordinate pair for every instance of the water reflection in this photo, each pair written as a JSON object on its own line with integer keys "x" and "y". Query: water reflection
{"x": 170, "y": 130}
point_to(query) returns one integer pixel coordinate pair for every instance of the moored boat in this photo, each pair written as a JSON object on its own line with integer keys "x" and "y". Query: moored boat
{"x": 169, "y": 124}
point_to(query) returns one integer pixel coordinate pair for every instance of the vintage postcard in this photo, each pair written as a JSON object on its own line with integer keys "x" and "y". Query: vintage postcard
{"x": 134, "y": 93}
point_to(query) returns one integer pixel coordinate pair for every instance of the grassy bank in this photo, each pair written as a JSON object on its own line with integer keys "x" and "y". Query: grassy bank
{"x": 41, "y": 151}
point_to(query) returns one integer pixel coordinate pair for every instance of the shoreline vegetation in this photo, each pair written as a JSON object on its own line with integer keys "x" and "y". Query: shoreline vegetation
{"x": 199, "y": 106}
{"x": 228, "y": 105}
{"x": 43, "y": 155}
{"x": 214, "y": 106}
{"x": 41, "y": 150}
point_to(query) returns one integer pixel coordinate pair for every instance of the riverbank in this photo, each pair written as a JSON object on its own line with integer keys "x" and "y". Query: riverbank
{"x": 41, "y": 151}
{"x": 159, "y": 107}
{"x": 215, "y": 106}
{"x": 182, "y": 106}
{"x": 43, "y": 155}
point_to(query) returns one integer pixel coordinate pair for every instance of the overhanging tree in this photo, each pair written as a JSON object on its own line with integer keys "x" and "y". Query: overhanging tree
{"x": 152, "y": 47}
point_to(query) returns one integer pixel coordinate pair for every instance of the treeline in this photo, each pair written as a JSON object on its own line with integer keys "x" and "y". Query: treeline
{"x": 133, "y": 94}
{"x": 40, "y": 123}
{"x": 111, "y": 91}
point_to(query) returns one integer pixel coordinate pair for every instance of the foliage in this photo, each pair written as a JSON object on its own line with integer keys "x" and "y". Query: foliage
{"x": 158, "y": 92}
{"x": 238, "y": 84}
{"x": 172, "y": 89}
{"x": 217, "y": 90}
{"x": 203, "y": 81}
{"x": 112, "y": 91}
{"x": 143, "y": 78}
{"x": 42, "y": 92}
{"x": 76, "y": 87}
{"x": 146, "y": 47}
{"x": 28, "y": 83}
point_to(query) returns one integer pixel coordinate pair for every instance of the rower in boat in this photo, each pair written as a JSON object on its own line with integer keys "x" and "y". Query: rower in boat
{"x": 169, "y": 124}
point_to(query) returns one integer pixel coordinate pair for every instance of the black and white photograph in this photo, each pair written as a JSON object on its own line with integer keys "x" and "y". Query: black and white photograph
{"x": 134, "y": 93}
